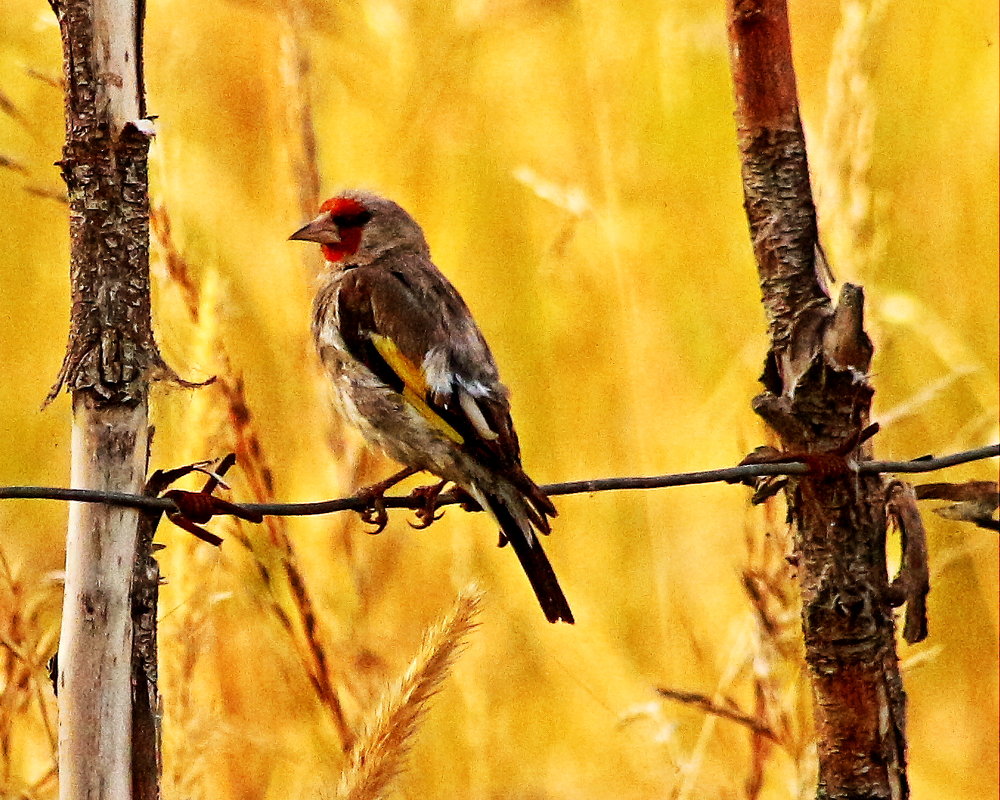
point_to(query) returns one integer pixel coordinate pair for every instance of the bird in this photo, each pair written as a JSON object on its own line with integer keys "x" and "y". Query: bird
{"x": 413, "y": 372}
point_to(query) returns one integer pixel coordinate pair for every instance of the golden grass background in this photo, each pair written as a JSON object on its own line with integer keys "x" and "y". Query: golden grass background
{"x": 574, "y": 166}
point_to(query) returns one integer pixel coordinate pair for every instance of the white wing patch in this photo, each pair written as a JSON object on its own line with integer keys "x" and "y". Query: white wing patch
{"x": 475, "y": 415}
{"x": 437, "y": 372}
{"x": 443, "y": 382}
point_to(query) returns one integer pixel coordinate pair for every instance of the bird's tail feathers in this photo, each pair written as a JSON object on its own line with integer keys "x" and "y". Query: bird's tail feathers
{"x": 539, "y": 506}
{"x": 515, "y": 513}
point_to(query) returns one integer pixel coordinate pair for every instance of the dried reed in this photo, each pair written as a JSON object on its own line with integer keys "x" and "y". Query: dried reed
{"x": 781, "y": 695}
{"x": 296, "y": 75}
{"x": 770, "y": 659}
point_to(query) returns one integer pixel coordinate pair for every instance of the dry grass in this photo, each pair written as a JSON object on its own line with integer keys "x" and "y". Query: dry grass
{"x": 850, "y": 209}
{"x": 379, "y": 755}
{"x": 300, "y": 622}
{"x": 574, "y": 168}
{"x": 28, "y": 638}
{"x": 765, "y": 667}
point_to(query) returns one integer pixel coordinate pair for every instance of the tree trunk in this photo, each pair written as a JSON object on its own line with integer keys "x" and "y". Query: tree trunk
{"x": 817, "y": 398}
{"x": 95, "y": 675}
{"x": 110, "y": 357}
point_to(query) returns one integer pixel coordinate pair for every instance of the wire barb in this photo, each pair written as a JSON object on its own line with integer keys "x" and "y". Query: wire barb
{"x": 190, "y": 510}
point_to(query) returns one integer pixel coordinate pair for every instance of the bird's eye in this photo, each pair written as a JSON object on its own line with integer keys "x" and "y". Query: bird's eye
{"x": 352, "y": 220}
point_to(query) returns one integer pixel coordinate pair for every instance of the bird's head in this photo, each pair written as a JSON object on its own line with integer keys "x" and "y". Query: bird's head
{"x": 356, "y": 227}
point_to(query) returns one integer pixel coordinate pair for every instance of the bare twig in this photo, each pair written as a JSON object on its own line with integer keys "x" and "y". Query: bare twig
{"x": 973, "y": 501}
{"x": 11, "y": 163}
{"x": 47, "y": 193}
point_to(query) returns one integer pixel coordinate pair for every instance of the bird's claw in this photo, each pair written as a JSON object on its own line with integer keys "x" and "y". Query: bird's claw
{"x": 427, "y": 513}
{"x": 425, "y": 519}
{"x": 375, "y": 514}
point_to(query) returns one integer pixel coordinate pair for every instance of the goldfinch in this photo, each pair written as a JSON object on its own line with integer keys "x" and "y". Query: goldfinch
{"x": 413, "y": 372}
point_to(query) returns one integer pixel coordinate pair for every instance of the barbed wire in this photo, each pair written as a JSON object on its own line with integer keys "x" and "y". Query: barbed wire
{"x": 361, "y": 502}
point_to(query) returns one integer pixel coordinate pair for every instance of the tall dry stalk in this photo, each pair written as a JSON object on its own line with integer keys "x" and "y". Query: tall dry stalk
{"x": 817, "y": 398}
{"x": 302, "y": 625}
{"x": 303, "y": 154}
{"x": 766, "y": 664}
{"x": 853, "y": 213}
{"x": 303, "y": 149}
{"x": 190, "y": 727}
{"x": 780, "y": 692}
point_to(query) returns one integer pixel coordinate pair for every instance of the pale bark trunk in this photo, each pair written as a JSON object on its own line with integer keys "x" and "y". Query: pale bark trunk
{"x": 110, "y": 357}
{"x": 95, "y": 686}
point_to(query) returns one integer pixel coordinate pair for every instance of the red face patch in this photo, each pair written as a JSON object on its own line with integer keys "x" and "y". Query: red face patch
{"x": 342, "y": 205}
{"x": 350, "y": 217}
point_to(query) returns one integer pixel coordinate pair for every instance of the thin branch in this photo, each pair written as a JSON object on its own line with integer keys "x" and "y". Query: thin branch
{"x": 705, "y": 703}
{"x": 360, "y": 502}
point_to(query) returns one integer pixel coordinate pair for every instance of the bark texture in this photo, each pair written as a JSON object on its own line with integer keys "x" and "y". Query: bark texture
{"x": 817, "y": 398}
{"x": 111, "y": 351}
{"x": 109, "y": 359}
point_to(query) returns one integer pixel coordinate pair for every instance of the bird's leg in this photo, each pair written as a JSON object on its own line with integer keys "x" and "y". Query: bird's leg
{"x": 426, "y": 513}
{"x": 374, "y": 512}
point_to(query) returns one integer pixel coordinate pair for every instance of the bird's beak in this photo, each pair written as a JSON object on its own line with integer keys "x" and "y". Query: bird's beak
{"x": 321, "y": 230}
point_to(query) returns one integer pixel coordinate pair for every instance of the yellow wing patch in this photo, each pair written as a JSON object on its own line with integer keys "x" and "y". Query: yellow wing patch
{"x": 414, "y": 384}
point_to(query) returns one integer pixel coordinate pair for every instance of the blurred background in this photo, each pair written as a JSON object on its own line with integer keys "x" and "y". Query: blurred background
{"x": 575, "y": 169}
